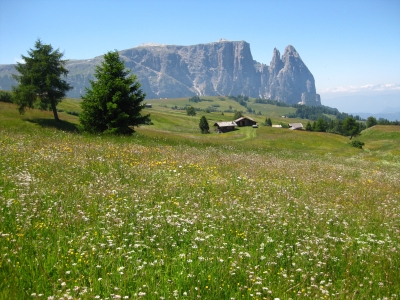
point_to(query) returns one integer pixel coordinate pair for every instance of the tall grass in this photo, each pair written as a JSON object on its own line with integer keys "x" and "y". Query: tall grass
{"x": 94, "y": 217}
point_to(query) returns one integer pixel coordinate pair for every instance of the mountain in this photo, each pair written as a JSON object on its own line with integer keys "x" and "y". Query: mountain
{"x": 380, "y": 104}
{"x": 388, "y": 116}
{"x": 220, "y": 68}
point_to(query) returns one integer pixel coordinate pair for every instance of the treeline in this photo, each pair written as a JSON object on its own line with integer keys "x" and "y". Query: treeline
{"x": 197, "y": 99}
{"x": 242, "y": 100}
{"x": 317, "y": 112}
{"x": 272, "y": 102}
{"x": 347, "y": 127}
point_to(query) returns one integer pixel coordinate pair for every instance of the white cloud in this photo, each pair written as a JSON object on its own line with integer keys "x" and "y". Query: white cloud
{"x": 362, "y": 88}
{"x": 19, "y": 60}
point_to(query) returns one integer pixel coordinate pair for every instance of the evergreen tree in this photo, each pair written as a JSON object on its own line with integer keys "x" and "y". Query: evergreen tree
{"x": 269, "y": 122}
{"x": 114, "y": 102}
{"x": 204, "y": 127}
{"x": 308, "y": 126}
{"x": 40, "y": 82}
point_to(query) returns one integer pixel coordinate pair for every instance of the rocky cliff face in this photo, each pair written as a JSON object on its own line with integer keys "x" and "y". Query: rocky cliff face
{"x": 220, "y": 68}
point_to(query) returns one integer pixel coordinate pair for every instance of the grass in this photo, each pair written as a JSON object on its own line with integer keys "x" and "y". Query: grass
{"x": 169, "y": 213}
{"x": 70, "y": 104}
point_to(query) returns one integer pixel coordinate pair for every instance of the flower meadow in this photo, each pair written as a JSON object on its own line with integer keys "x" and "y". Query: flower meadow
{"x": 130, "y": 218}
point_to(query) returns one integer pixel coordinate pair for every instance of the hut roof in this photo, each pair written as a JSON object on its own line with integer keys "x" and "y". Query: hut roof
{"x": 243, "y": 118}
{"x": 294, "y": 126}
{"x": 225, "y": 124}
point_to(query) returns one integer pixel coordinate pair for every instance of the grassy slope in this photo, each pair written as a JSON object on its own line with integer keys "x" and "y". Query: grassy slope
{"x": 251, "y": 214}
{"x": 183, "y": 128}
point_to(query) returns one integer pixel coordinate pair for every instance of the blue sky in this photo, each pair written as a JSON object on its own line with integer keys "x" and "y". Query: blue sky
{"x": 348, "y": 45}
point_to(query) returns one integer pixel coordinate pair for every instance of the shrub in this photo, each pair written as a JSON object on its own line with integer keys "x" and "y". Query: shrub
{"x": 5, "y": 96}
{"x": 191, "y": 111}
{"x": 357, "y": 144}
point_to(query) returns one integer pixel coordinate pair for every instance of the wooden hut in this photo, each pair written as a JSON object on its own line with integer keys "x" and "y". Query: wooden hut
{"x": 225, "y": 126}
{"x": 245, "y": 121}
{"x": 295, "y": 126}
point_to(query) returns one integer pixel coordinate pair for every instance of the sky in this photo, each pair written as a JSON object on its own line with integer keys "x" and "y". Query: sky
{"x": 352, "y": 47}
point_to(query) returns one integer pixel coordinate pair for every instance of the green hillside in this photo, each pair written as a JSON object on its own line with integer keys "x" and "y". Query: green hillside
{"x": 170, "y": 213}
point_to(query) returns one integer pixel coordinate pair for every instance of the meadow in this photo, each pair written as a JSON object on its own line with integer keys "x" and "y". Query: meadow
{"x": 169, "y": 213}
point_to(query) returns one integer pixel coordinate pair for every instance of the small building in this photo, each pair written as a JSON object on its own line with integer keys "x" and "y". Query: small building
{"x": 295, "y": 126}
{"x": 225, "y": 126}
{"x": 277, "y": 126}
{"x": 148, "y": 105}
{"x": 245, "y": 121}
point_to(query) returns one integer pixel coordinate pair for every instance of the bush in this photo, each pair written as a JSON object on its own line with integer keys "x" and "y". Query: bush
{"x": 191, "y": 111}
{"x": 73, "y": 113}
{"x": 357, "y": 144}
{"x": 5, "y": 96}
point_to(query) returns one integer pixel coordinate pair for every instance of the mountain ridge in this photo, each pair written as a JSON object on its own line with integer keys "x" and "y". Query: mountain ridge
{"x": 211, "y": 69}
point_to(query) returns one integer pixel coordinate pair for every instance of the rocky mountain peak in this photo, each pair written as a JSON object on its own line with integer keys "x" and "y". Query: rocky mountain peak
{"x": 218, "y": 68}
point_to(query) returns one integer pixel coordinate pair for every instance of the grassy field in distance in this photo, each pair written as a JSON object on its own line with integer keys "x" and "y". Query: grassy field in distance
{"x": 170, "y": 213}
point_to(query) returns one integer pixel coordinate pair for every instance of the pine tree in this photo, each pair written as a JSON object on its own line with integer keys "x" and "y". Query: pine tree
{"x": 40, "y": 82}
{"x": 114, "y": 102}
{"x": 204, "y": 127}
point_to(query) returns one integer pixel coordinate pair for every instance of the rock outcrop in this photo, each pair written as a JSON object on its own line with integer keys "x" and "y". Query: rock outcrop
{"x": 220, "y": 68}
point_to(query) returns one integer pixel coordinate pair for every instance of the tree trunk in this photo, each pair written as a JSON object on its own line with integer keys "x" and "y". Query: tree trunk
{"x": 54, "y": 108}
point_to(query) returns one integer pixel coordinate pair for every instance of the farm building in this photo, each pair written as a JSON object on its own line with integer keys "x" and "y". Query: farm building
{"x": 225, "y": 126}
{"x": 245, "y": 121}
{"x": 148, "y": 105}
{"x": 295, "y": 126}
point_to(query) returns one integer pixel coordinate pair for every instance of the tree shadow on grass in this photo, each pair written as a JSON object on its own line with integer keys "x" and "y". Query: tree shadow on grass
{"x": 51, "y": 123}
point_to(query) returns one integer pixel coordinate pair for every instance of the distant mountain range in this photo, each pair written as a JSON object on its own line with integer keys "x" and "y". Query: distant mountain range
{"x": 379, "y": 104}
{"x": 387, "y": 116}
{"x": 220, "y": 68}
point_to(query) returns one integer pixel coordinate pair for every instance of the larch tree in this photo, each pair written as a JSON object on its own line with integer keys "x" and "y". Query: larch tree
{"x": 114, "y": 102}
{"x": 40, "y": 79}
